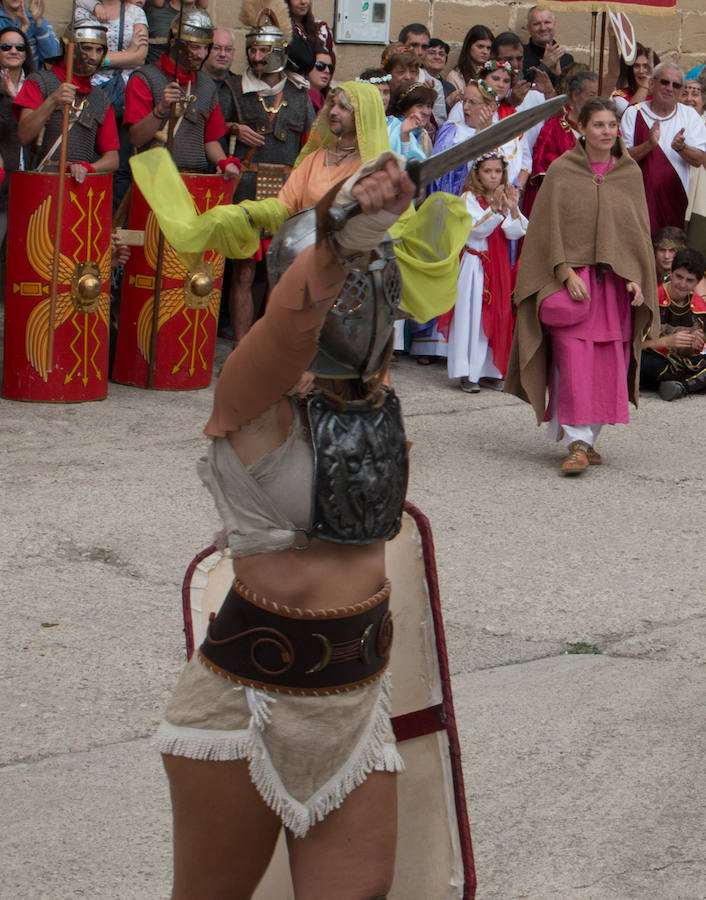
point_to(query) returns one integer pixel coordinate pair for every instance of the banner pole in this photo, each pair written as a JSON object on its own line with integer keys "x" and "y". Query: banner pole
{"x": 602, "y": 51}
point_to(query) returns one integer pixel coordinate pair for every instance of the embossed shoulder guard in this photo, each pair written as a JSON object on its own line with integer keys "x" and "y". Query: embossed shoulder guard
{"x": 357, "y": 328}
{"x": 360, "y": 469}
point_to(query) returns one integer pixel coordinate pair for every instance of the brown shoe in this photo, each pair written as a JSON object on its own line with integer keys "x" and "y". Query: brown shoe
{"x": 577, "y": 460}
{"x": 594, "y": 458}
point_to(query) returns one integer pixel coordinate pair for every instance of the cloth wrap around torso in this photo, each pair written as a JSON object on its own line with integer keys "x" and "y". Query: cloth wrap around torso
{"x": 360, "y": 472}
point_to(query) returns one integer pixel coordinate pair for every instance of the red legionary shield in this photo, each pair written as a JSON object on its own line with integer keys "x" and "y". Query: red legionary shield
{"x": 76, "y": 367}
{"x": 189, "y": 301}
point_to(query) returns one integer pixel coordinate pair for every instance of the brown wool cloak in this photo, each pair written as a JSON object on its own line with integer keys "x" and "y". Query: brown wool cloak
{"x": 573, "y": 223}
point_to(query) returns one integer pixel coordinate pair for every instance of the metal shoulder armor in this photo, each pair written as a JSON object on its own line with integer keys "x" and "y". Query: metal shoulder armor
{"x": 358, "y": 327}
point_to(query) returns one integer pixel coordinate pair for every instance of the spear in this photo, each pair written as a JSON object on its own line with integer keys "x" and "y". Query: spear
{"x": 159, "y": 265}
{"x": 63, "y": 153}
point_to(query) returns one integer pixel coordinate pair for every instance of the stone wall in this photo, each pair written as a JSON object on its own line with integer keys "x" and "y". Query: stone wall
{"x": 450, "y": 19}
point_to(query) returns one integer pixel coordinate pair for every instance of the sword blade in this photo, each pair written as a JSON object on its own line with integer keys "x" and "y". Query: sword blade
{"x": 490, "y": 138}
{"x": 423, "y": 173}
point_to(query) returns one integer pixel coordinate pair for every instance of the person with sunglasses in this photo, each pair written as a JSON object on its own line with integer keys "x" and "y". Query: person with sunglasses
{"x": 16, "y": 61}
{"x": 30, "y": 20}
{"x": 666, "y": 138}
{"x": 15, "y": 64}
{"x": 319, "y": 78}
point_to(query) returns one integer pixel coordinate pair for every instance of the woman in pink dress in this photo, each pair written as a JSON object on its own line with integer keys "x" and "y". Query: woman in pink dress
{"x": 585, "y": 291}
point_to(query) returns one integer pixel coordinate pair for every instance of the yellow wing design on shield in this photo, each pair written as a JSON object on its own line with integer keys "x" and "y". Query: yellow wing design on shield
{"x": 104, "y": 300}
{"x": 40, "y": 247}
{"x": 171, "y": 301}
{"x": 37, "y": 331}
{"x": 172, "y": 267}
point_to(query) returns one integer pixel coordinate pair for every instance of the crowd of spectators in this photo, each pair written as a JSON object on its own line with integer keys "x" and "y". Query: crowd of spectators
{"x": 432, "y": 98}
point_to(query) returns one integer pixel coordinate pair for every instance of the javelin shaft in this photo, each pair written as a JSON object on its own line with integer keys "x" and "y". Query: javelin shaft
{"x": 63, "y": 155}
{"x": 152, "y": 365}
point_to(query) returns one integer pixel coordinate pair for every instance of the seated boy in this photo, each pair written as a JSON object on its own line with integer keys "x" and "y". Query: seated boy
{"x": 666, "y": 242}
{"x": 675, "y": 363}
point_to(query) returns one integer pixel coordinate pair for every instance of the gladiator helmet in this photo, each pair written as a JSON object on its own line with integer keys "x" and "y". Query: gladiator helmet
{"x": 269, "y": 26}
{"x": 86, "y": 29}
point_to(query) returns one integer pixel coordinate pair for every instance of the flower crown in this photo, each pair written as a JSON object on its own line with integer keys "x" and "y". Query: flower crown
{"x": 494, "y": 64}
{"x": 486, "y": 91}
{"x": 375, "y": 79}
{"x": 492, "y": 154}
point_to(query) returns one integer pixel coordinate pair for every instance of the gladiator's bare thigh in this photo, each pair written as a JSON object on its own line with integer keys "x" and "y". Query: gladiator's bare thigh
{"x": 224, "y": 834}
{"x": 351, "y": 854}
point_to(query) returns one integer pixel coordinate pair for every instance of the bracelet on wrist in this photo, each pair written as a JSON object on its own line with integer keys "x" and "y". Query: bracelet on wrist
{"x": 86, "y": 165}
{"x": 222, "y": 163}
{"x": 106, "y": 62}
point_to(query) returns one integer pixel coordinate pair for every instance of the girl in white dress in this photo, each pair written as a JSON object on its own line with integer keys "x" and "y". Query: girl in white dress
{"x": 480, "y": 330}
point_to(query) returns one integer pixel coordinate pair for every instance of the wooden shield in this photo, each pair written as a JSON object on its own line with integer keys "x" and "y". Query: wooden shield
{"x": 188, "y": 317}
{"x": 79, "y": 369}
{"x": 434, "y": 852}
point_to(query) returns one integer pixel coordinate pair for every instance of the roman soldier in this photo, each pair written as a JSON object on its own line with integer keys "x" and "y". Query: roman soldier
{"x": 58, "y": 249}
{"x": 92, "y": 137}
{"x": 273, "y": 113}
{"x": 176, "y": 80}
{"x": 169, "y": 312}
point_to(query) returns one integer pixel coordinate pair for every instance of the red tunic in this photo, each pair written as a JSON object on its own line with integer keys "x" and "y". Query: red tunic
{"x": 139, "y": 101}
{"x": 664, "y": 191}
{"x": 30, "y": 97}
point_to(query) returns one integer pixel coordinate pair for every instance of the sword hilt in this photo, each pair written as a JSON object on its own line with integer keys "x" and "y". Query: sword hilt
{"x": 339, "y": 215}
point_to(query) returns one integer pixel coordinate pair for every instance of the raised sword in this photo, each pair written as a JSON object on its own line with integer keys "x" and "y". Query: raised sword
{"x": 423, "y": 172}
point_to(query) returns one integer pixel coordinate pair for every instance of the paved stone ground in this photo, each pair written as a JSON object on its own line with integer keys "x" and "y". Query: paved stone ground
{"x": 584, "y": 773}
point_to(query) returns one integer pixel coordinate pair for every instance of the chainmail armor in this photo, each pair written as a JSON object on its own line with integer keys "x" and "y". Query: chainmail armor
{"x": 82, "y": 136}
{"x": 282, "y": 135}
{"x": 188, "y": 151}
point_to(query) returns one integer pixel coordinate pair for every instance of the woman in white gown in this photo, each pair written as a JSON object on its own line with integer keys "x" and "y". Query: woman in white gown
{"x": 480, "y": 330}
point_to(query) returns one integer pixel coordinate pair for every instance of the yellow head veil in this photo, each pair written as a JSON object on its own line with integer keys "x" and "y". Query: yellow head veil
{"x": 370, "y": 124}
{"x": 430, "y": 239}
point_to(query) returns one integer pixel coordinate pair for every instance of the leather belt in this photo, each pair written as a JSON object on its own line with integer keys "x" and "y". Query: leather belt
{"x": 259, "y": 643}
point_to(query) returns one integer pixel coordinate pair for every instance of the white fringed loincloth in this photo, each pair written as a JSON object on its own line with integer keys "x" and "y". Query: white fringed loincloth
{"x": 305, "y": 753}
